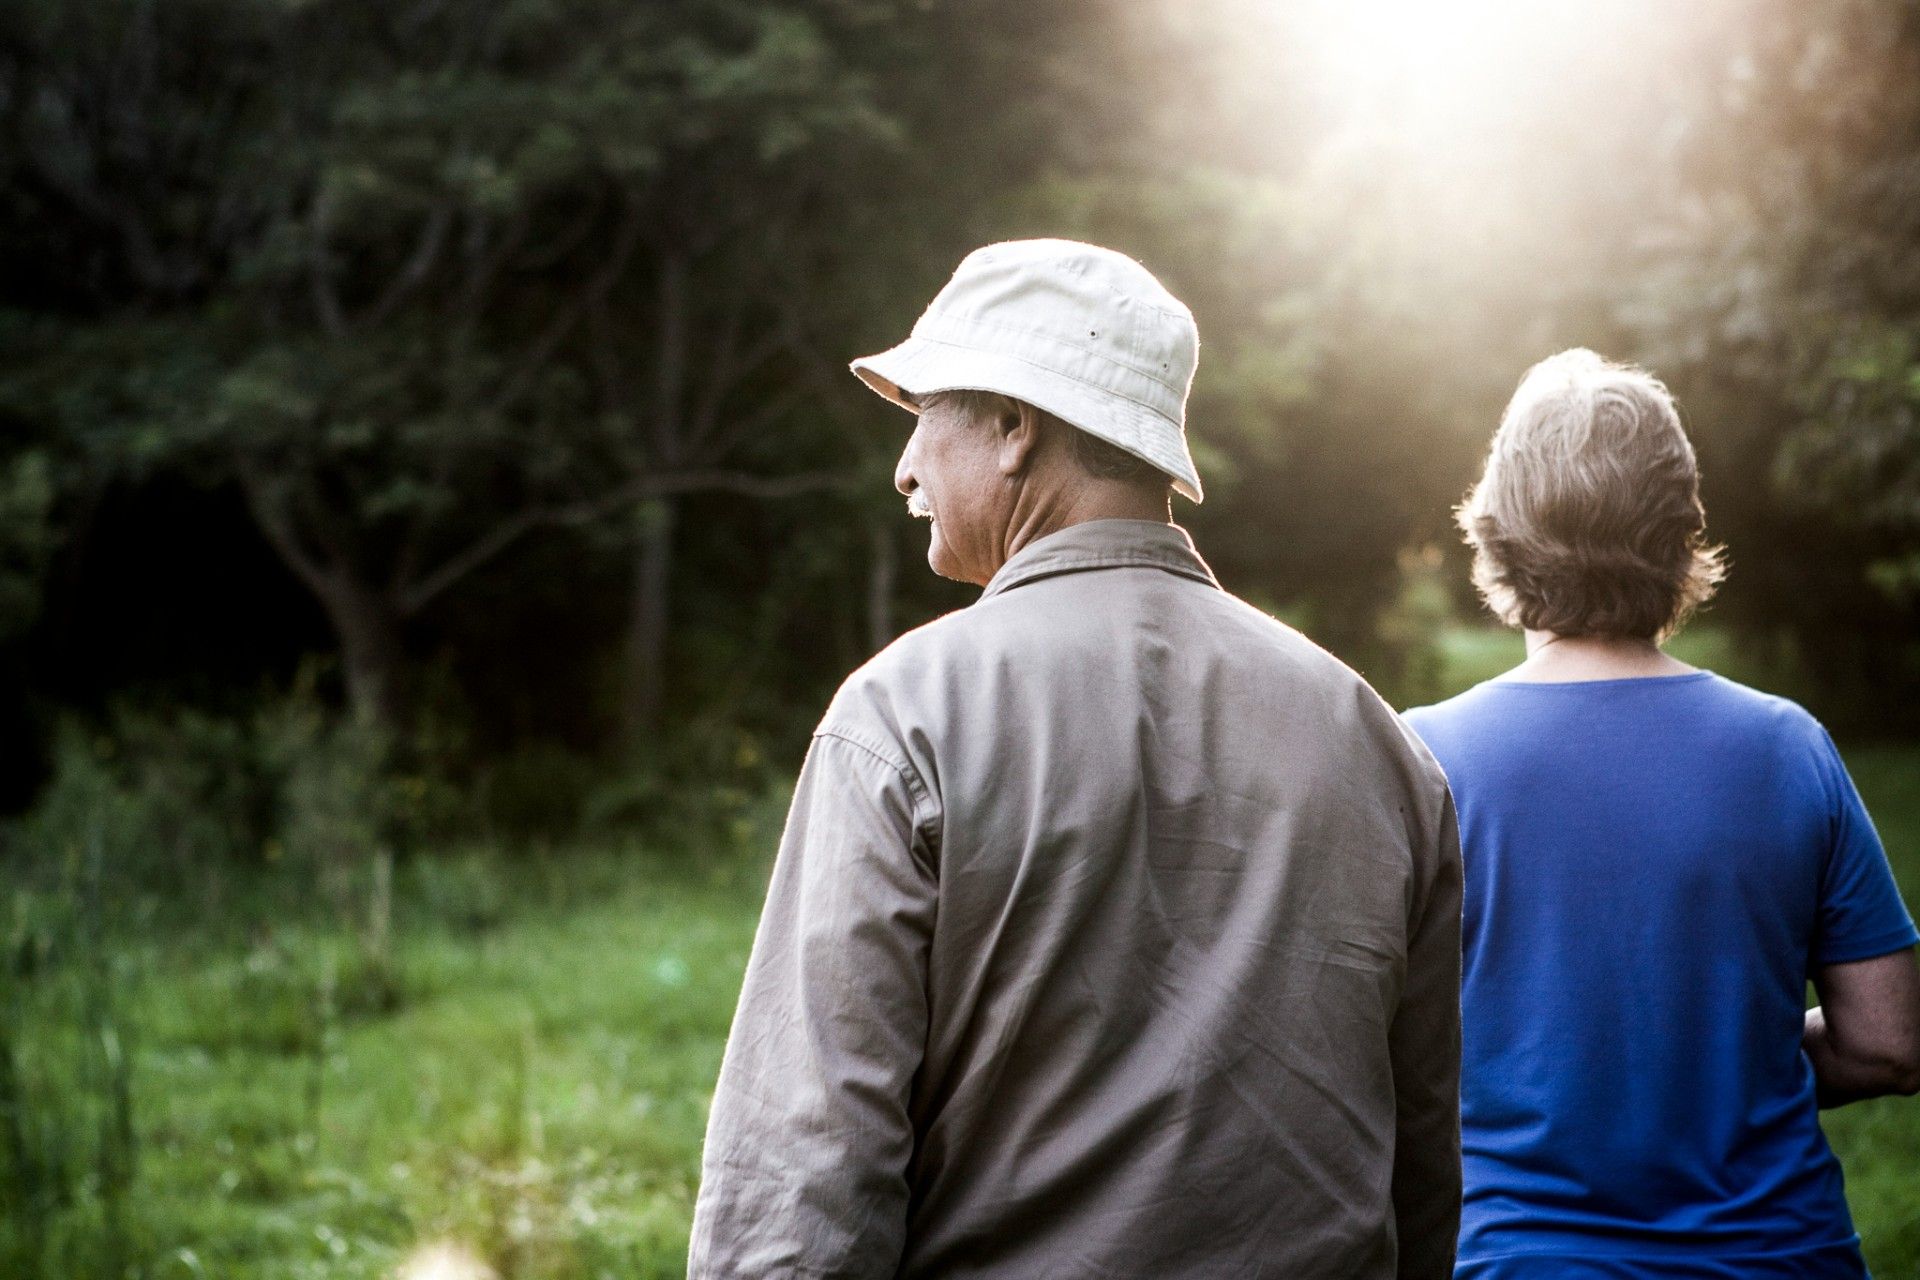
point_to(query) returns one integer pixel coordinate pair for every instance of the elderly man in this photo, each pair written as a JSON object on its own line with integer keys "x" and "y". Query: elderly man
{"x": 1115, "y": 928}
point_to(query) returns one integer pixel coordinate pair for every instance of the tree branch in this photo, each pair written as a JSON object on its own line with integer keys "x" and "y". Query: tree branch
{"x": 575, "y": 234}
{"x": 625, "y": 238}
{"x": 770, "y": 411}
{"x": 425, "y": 252}
{"x": 319, "y": 268}
{"x": 713, "y": 480}
{"x": 709, "y": 423}
{"x": 670, "y": 360}
{"x": 276, "y": 523}
{"x": 486, "y": 264}
{"x": 574, "y": 515}
{"x": 721, "y": 369}
{"x": 604, "y": 363}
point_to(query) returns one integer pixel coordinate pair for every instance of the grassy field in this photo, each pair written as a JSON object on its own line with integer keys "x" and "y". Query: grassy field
{"x": 513, "y": 1057}
{"x": 524, "y": 1071}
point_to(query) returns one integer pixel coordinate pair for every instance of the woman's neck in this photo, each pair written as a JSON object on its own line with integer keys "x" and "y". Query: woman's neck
{"x": 1555, "y": 659}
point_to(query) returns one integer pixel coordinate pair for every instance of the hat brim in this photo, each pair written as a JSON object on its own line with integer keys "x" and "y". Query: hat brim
{"x": 921, "y": 366}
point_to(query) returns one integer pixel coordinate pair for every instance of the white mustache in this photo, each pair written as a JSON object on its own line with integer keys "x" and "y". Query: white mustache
{"x": 917, "y": 505}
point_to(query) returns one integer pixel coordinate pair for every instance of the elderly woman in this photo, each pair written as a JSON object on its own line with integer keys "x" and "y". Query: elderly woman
{"x": 1657, "y": 860}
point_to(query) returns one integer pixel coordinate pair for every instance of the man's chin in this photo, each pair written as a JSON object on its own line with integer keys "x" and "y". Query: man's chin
{"x": 939, "y": 559}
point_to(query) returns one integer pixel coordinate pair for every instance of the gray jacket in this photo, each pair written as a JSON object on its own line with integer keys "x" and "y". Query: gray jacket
{"x": 1115, "y": 932}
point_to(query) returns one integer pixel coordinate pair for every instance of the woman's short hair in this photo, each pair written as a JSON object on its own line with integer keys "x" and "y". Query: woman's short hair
{"x": 1587, "y": 520}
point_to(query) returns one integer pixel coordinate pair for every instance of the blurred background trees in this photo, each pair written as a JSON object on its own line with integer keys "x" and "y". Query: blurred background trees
{"x": 434, "y": 508}
{"x": 488, "y": 359}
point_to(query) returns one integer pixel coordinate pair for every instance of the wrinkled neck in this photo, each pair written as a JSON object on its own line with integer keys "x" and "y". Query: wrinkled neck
{"x": 1042, "y": 510}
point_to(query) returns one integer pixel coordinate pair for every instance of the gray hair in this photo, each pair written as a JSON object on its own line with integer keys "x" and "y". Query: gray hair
{"x": 1588, "y": 520}
{"x": 1096, "y": 457}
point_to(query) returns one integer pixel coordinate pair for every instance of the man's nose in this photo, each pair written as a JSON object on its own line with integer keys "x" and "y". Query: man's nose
{"x": 903, "y": 471}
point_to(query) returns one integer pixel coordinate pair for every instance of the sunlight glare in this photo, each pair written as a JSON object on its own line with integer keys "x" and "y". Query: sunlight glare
{"x": 444, "y": 1260}
{"x": 1439, "y": 64}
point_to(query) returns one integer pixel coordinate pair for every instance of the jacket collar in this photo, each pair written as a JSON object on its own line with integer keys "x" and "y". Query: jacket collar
{"x": 1103, "y": 544}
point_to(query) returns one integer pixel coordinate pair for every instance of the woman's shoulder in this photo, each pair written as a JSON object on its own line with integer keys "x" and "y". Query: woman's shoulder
{"x": 1488, "y": 699}
{"x": 1759, "y": 710}
{"x": 1473, "y": 713}
{"x": 1497, "y": 709}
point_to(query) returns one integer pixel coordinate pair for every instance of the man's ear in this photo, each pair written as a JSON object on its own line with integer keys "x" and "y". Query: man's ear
{"x": 1019, "y": 425}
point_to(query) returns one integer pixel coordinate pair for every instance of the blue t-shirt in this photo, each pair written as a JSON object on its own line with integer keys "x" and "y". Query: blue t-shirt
{"x": 1653, "y": 867}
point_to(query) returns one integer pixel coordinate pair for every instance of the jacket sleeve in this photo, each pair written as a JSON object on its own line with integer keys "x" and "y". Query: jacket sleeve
{"x": 809, "y": 1139}
{"x": 1425, "y": 1047}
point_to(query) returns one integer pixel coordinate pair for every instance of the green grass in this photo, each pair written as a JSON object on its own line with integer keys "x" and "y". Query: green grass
{"x": 533, "y": 1086}
{"x": 525, "y": 1068}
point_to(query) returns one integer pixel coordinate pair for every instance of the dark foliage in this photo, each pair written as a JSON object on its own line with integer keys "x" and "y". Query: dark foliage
{"x": 496, "y": 352}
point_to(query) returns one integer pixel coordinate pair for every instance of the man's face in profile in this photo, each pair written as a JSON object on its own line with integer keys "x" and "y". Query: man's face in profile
{"x": 950, "y": 472}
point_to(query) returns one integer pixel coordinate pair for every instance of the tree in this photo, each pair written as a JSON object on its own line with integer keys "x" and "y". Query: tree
{"x": 453, "y": 260}
{"x": 1783, "y": 288}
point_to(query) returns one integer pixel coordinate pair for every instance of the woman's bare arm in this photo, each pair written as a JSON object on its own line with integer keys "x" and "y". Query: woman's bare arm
{"x": 1864, "y": 1036}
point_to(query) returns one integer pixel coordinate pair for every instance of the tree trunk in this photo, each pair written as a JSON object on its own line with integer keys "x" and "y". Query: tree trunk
{"x": 371, "y": 653}
{"x": 644, "y": 675}
{"x": 366, "y": 621}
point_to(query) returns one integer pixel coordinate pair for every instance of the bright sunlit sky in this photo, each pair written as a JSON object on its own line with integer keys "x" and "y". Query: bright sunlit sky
{"x": 1487, "y": 122}
{"x": 1452, "y": 73}
{"x": 1431, "y": 66}
{"x": 1450, "y": 61}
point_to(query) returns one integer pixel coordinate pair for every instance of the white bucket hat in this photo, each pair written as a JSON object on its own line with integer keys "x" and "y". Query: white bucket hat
{"x": 1083, "y": 332}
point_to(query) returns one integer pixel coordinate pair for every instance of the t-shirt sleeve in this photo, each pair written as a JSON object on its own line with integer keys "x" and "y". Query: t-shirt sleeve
{"x": 1861, "y": 914}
